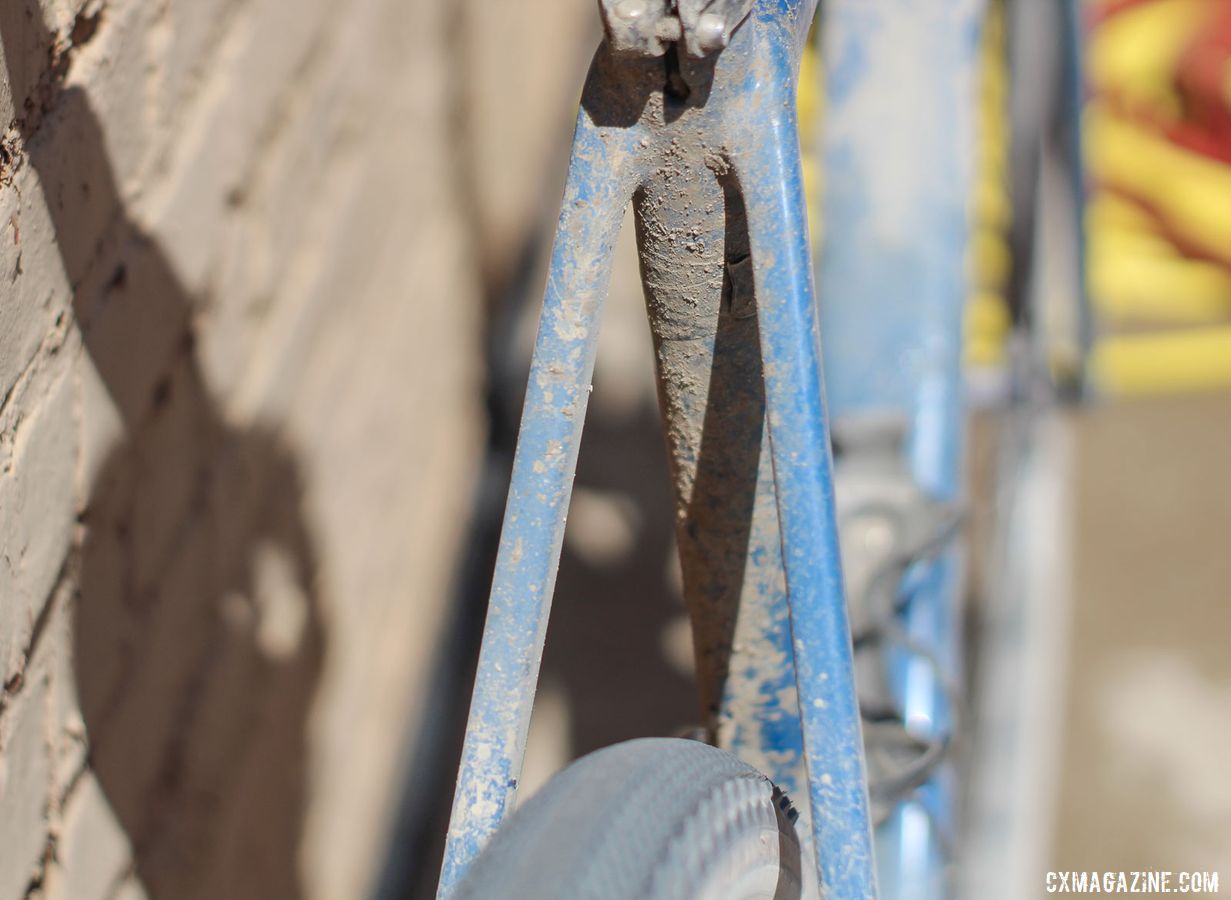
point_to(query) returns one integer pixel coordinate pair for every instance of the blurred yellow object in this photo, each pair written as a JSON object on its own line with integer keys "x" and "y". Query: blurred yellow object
{"x": 1160, "y": 288}
{"x": 1159, "y": 222}
{"x": 808, "y": 101}
{"x": 1107, "y": 211}
{"x": 992, "y": 204}
{"x": 992, "y": 260}
{"x": 1136, "y": 273}
{"x": 1134, "y": 53}
{"x": 1159, "y": 209}
{"x": 1163, "y": 362}
{"x": 1190, "y": 192}
{"x": 988, "y": 322}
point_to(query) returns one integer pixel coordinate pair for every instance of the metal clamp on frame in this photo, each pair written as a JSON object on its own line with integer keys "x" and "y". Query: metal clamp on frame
{"x": 648, "y": 27}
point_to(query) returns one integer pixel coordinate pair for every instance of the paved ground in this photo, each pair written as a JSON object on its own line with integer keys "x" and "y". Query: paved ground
{"x": 1146, "y": 747}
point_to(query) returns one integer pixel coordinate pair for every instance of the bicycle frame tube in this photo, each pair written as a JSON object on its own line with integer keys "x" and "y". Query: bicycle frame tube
{"x": 706, "y": 149}
{"x": 598, "y": 188}
{"x": 803, "y": 479}
{"x": 902, "y": 74}
{"x": 1073, "y": 99}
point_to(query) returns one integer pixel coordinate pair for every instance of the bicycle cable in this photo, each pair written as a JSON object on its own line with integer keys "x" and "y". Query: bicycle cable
{"x": 891, "y": 528}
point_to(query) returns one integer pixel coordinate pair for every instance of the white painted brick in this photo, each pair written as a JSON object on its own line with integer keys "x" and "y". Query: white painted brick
{"x": 102, "y": 425}
{"x": 187, "y": 41}
{"x": 278, "y": 174}
{"x": 61, "y": 13}
{"x": 161, "y": 650}
{"x": 134, "y": 329}
{"x": 92, "y": 850}
{"x": 20, "y": 332}
{"x": 296, "y": 214}
{"x": 24, "y": 53}
{"x": 34, "y": 291}
{"x": 24, "y": 61}
{"x": 254, "y": 71}
{"x": 37, "y": 509}
{"x": 130, "y": 889}
{"x": 53, "y": 660}
{"x": 25, "y": 782}
{"x": 110, "y": 74}
{"x": 166, "y": 460}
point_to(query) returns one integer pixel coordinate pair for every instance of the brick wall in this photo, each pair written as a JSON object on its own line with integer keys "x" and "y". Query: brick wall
{"x": 237, "y": 431}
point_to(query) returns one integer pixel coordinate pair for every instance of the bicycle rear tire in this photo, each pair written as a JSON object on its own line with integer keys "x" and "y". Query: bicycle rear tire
{"x": 649, "y": 819}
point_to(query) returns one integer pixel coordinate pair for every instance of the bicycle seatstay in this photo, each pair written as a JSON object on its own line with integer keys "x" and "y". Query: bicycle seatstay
{"x": 533, "y": 531}
{"x": 650, "y": 127}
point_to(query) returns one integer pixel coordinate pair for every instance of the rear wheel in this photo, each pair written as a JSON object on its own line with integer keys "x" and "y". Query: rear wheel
{"x": 652, "y": 818}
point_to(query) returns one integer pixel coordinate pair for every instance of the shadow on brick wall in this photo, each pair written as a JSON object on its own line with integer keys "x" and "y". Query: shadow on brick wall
{"x": 198, "y": 639}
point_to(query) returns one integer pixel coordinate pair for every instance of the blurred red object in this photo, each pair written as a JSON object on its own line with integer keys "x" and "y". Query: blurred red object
{"x": 1203, "y": 81}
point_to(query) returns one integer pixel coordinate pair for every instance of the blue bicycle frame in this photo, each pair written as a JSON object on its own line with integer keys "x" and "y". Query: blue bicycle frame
{"x": 708, "y": 152}
{"x": 898, "y": 141}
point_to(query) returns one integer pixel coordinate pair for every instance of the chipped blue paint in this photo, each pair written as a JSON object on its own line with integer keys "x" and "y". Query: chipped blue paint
{"x": 747, "y": 125}
{"x": 597, "y": 192}
{"x": 766, "y": 156}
